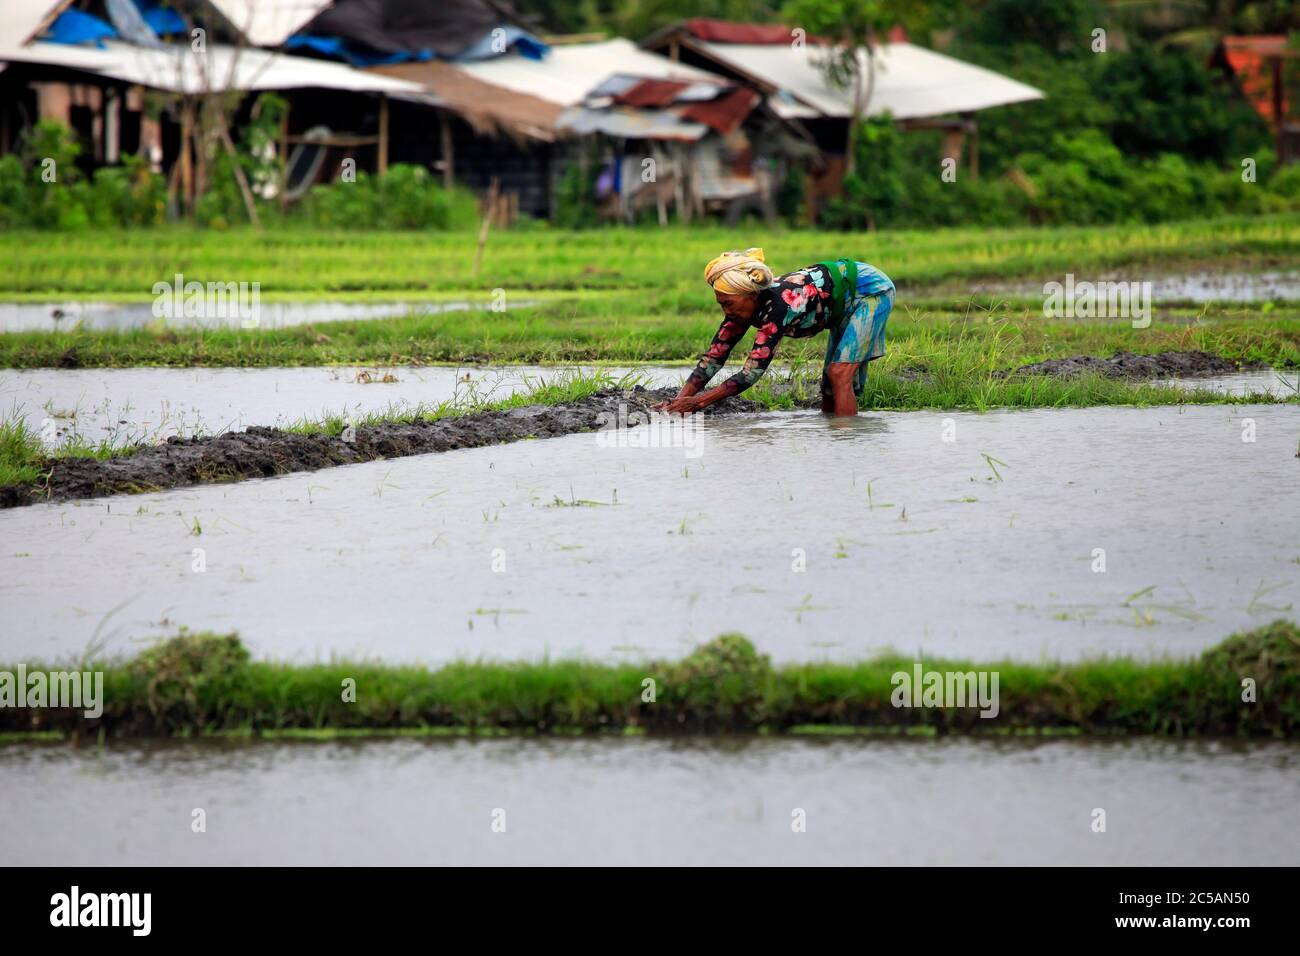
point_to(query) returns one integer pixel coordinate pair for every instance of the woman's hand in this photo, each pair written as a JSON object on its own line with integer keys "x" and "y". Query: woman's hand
{"x": 683, "y": 405}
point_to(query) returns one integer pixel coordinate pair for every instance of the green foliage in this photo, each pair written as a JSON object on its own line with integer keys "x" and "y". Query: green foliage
{"x": 575, "y": 197}
{"x": 54, "y": 197}
{"x": 1079, "y": 177}
{"x": 1166, "y": 101}
{"x": 875, "y": 192}
{"x": 407, "y": 197}
{"x": 724, "y": 682}
{"x": 21, "y": 453}
{"x": 188, "y": 680}
{"x": 1050, "y": 25}
{"x": 792, "y": 195}
{"x": 128, "y": 195}
{"x": 221, "y": 205}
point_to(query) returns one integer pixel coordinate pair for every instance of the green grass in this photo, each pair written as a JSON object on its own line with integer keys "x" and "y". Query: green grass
{"x": 645, "y": 328}
{"x": 631, "y": 295}
{"x": 344, "y": 264}
{"x": 24, "y": 460}
{"x": 197, "y": 684}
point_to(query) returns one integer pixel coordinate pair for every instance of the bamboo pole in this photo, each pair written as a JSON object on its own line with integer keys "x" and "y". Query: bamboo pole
{"x": 250, "y": 204}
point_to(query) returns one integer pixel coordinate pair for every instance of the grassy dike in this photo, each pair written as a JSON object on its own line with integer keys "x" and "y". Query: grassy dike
{"x": 656, "y": 326}
{"x": 363, "y": 265}
{"x": 205, "y": 684}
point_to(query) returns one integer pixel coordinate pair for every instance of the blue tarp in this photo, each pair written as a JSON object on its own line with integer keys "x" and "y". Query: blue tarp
{"x": 74, "y": 27}
{"x": 527, "y": 44}
{"x": 130, "y": 24}
{"x": 338, "y": 47}
{"x": 163, "y": 20}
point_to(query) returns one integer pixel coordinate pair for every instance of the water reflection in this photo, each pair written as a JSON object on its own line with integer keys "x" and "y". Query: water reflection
{"x": 650, "y": 801}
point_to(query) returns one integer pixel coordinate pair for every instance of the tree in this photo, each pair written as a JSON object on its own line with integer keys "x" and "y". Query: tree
{"x": 853, "y": 29}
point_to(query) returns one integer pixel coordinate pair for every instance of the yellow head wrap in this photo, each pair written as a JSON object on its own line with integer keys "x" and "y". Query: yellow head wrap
{"x": 736, "y": 273}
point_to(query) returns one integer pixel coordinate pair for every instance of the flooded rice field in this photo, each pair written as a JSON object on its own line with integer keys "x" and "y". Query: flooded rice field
{"x": 1199, "y": 288}
{"x": 650, "y": 802}
{"x": 108, "y": 316}
{"x": 1062, "y": 533}
{"x": 148, "y": 404}
{"x": 151, "y": 403}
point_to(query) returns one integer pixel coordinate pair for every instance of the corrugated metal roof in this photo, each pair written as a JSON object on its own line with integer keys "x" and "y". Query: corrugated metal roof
{"x": 911, "y": 81}
{"x": 628, "y": 123}
{"x": 651, "y": 93}
{"x": 572, "y": 70}
{"x": 725, "y": 113}
{"x": 727, "y": 31}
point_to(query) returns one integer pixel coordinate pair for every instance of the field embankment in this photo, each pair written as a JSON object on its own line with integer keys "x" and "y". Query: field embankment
{"x": 199, "y": 684}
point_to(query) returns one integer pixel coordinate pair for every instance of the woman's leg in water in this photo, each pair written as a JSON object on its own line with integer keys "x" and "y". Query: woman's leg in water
{"x": 843, "y": 400}
{"x": 848, "y": 350}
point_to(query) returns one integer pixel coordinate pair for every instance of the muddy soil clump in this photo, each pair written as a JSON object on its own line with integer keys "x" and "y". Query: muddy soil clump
{"x": 1129, "y": 365}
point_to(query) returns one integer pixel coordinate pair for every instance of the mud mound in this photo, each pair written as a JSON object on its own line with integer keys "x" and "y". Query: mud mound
{"x": 1128, "y": 365}
{"x": 264, "y": 452}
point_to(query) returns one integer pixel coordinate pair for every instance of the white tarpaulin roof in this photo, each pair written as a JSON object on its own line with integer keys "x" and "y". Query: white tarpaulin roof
{"x": 570, "y": 71}
{"x": 19, "y": 20}
{"x": 267, "y": 22}
{"x": 911, "y": 81}
{"x": 177, "y": 69}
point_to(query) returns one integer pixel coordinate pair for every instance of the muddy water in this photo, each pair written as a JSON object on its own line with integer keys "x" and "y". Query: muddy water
{"x": 647, "y": 802}
{"x": 1279, "y": 383}
{"x": 104, "y": 316}
{"x": 142, "y": 404}
{"x": 818, "y": 539}
{"x": 1198, "y": 288}
{"x": 148, "y": 403}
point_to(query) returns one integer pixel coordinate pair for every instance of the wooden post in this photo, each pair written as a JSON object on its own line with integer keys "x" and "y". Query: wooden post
{"x": 974, "y": 150}
{"x": 383, "y": 134}
{"x": 489, "y": 209}
{"x": 250, "y": 202}
{"x": 448, "y": 154}
{"x": 186, "y": 163}
{"x": 282, "y": 192}
{"x": 112, "y": 125}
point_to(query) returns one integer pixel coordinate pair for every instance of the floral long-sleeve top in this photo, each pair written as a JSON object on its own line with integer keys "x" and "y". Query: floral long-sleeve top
{"x": 798, "y": 304}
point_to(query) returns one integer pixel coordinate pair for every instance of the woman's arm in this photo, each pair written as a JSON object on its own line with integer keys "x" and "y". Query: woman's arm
{"x": 760, "y": 357}
{"x": 724, "y": 340}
